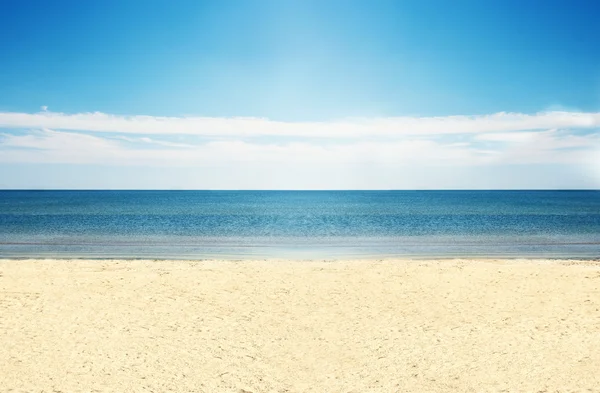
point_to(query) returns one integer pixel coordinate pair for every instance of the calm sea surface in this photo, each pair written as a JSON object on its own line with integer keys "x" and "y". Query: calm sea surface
{"x": 299, "y": 224}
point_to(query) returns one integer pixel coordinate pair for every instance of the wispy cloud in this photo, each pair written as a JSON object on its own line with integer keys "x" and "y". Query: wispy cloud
{"x": 58, "y": 146}
{"x": 371, "y": 146}
{"x": 349, "y": 128}
{"x": 72, "y": 147}
{"x": 552, "y": 146}
{"x": 550, "y": 139}
{"x": 151, "y": 141}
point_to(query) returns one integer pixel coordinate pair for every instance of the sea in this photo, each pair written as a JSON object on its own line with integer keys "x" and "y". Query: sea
{"x": 299, "y": 224}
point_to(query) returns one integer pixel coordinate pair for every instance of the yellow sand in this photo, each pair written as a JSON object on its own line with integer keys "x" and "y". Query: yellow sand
{"x": 284, "y": 326}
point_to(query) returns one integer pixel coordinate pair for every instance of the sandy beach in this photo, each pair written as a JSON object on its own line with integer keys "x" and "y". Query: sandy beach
{"x": 289, "y": 326}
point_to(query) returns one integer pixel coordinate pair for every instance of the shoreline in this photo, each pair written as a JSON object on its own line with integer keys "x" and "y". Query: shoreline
{"x": 382, "y": 325}
{"x": 559, "y": 260}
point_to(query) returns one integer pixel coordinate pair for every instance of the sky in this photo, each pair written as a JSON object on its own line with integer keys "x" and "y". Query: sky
{"x": 282, "y": 94}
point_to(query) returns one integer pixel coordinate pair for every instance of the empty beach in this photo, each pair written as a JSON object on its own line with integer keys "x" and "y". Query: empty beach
{"x": 299, "y": 326}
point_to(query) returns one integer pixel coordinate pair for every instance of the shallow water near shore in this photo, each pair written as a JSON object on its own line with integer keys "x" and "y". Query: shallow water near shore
{"x": 299, "y": 224}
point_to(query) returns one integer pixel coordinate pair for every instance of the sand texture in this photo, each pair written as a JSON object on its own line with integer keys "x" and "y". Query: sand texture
{"x": 285, "y": 326}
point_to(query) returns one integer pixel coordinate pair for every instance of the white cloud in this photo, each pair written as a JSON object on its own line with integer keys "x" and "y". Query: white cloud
{"x": 56, "y": 146}
{"x": 54, "y": 140}
{"x": 153, "y": 142}
{"x": 367, "y": 148}
{"x": 510, "y": 137}
{"x": 71, "y": 147}
{"x": 47, "y": 146}
{"x": 350, "y": 128}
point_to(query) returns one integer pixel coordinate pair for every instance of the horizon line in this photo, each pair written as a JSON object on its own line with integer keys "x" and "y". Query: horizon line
{"x": 299, "y": 190}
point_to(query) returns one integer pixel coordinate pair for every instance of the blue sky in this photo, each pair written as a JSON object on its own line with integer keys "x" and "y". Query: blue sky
{"x": 299, "y": 94}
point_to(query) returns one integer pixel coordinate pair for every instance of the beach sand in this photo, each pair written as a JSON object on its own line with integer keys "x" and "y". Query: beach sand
{"x": 289, "y": 326}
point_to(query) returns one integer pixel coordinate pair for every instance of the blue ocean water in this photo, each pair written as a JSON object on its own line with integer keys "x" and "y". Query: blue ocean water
{"x": 299, "y": 224}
